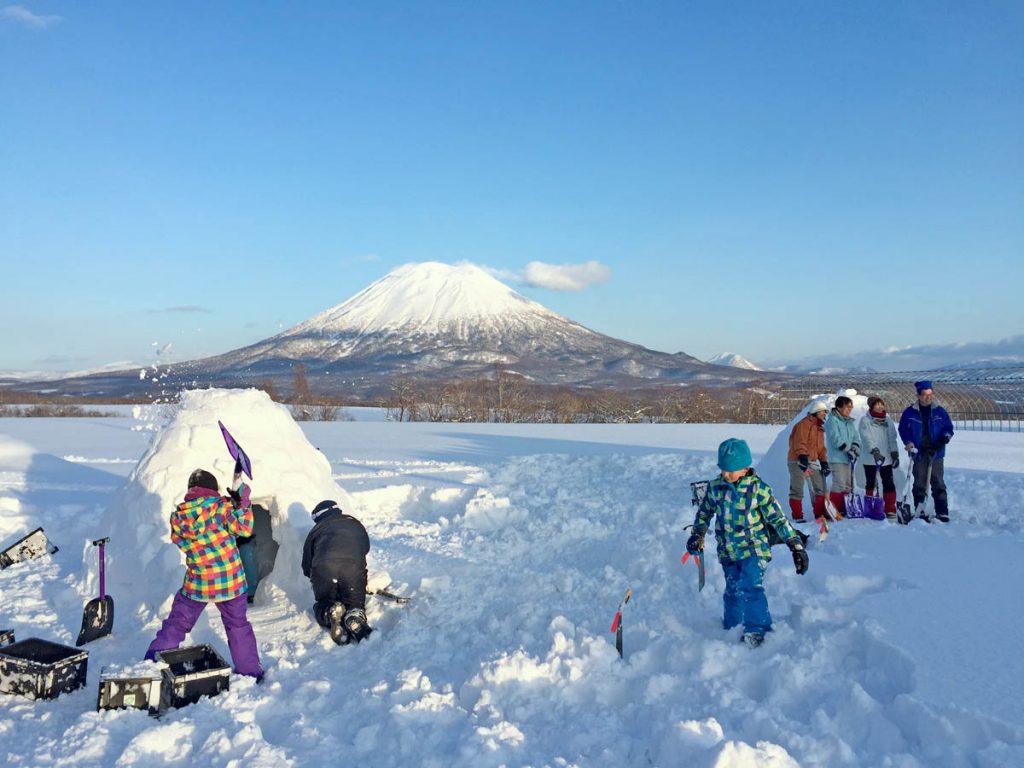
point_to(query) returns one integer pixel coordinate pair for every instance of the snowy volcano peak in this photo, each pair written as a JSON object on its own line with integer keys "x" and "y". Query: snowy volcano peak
{"x": 734, "y": 360}
{"x": 425, "y": 298}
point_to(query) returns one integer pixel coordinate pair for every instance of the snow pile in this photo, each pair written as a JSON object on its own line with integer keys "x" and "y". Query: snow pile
{"x": 289, "y": 477}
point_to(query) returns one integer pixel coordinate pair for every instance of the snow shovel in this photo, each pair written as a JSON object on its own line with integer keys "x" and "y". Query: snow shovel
{"x": 617, "y": 621}
{"x": 904, "y": 512}
{"x": 98, "y": 615}
{"x": 242, "y": 462}
{"x": 920, "y": 510}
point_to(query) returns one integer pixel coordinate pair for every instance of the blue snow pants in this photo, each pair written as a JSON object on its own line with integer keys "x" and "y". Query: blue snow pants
{"x": 744, "y": 598}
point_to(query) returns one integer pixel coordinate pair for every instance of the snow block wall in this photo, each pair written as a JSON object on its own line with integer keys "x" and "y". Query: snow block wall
{"x": 773, "y": 468}
{"x": 290, "y": 476}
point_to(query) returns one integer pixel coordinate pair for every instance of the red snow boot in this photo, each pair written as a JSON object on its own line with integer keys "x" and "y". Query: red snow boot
{"x": 796, "y": 506}
{"x": 839, "y": 502}
{"x": 818, "y": 506}
{"x": 890, "y": 505}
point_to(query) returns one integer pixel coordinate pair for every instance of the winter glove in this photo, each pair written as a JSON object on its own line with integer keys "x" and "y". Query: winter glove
{"x": 800, "y": 559}
{"x": 943, "y": 440}
{"x": 241, "y": 497}
{"x": 803, "y": 462}
{"x": 895, "y": 456}
{"x": 695, "y": 544}
{"x": 855, "y": 450}
{"x": 825, "y": 471}
{"x": 877, "y": 456}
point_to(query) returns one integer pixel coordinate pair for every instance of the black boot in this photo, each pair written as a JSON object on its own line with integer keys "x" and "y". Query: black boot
{"x": 336, "y": 615}
{"x": 355, "y": 625}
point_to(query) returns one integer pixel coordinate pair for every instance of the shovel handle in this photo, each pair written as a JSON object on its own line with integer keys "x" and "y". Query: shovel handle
{"x": 103, "y": 566}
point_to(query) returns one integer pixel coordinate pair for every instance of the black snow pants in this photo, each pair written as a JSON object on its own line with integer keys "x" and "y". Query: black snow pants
{"x": 338, "y": 581}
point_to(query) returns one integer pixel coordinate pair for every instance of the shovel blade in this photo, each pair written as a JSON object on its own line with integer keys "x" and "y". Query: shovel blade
{"x": 242, "y": 462}
{"x": 904, "y": 513}
{"x": 97, "y": 620}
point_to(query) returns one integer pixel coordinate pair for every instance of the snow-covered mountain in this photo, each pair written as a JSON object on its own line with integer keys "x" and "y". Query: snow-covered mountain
{"x": 439, "y": 322}
{"x": 926, "y": 357}
{"x": 734, "y": 360}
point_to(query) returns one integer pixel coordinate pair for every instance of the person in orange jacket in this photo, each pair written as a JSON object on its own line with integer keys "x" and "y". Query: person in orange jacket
{"x": 808, "y": 461}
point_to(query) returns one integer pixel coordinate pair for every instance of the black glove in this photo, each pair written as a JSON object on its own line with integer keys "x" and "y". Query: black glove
{"x": 825, "y": 471}
{"x": 877, "y": 456}
{"x": 695, "y": 544}
{"x": 800, "y": 559}
{"x": 943, "y": 440}
{"x": 895, "y": 456}
{"x": 804, "y": 462}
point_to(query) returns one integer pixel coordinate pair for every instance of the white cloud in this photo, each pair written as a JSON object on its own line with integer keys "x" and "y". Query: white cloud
{"x": 25, "y": 16}
{"x": 564, "y": 277}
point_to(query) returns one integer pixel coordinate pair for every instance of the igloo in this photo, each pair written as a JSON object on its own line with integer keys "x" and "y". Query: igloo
{"x": 289, "y": 477}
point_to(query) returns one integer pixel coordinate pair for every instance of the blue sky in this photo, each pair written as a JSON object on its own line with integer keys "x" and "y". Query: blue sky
{"x": 774, "y": 179}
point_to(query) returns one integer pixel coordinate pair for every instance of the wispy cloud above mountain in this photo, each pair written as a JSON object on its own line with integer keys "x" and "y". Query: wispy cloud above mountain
{"x": 555, "y": 277}
{"x": 23, "y": 15}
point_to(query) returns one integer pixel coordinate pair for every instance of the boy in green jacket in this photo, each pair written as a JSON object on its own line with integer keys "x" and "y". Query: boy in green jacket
{"x": 744, "y": 507}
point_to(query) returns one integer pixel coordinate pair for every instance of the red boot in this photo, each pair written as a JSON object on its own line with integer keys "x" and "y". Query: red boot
{"x": 818, "y": 507}
{"x": 796, "y": 506}
{"x": 839, "y": 502}
{"x": 890, "y": 504}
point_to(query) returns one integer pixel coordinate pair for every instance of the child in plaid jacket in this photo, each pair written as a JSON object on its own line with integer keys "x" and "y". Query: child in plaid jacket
{"x": 744, "y": 508}
{"x": 204, "y": 527}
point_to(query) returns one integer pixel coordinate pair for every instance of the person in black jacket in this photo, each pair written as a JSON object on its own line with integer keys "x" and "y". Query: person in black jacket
{"x": 334, "y": 560}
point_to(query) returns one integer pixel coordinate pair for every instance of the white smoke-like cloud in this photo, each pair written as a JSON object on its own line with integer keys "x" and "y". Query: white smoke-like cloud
{"x": 565, "y": 277}
{"x": 24, "y": 16}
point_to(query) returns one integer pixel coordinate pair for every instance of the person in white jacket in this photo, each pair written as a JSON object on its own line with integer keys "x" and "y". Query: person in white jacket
{"x": 880, "y": 444}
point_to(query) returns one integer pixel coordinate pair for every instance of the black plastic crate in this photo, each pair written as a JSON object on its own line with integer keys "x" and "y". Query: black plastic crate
{"x": 134, "y": 688}
{"x": 29, "y": 547}
{"x": 40, "y": 669}
{"x": 6, "y": 637}
{"x": 194, "y": 672}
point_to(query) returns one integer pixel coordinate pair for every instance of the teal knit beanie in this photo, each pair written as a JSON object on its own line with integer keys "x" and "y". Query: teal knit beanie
{"x": 734, "y": 455}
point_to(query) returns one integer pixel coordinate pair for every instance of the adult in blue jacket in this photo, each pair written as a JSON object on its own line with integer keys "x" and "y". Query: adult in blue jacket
{"x": 925, "y": 429}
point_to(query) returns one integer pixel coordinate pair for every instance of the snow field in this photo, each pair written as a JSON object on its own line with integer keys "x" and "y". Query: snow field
{"x": 897, "y": 648}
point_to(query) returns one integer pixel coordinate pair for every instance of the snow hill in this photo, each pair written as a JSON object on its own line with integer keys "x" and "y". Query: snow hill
{"x": 899, "y": 647}
{"x": 734, "y": 360}
{"x": 427, "y": 321}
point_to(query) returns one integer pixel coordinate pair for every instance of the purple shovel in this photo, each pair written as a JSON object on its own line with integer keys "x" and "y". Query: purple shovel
{"x": 98, "y": 615}
{"x": 242, "y": 462}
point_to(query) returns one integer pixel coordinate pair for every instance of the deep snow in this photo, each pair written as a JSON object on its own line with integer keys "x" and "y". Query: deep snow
{"x": 901, "y": 646}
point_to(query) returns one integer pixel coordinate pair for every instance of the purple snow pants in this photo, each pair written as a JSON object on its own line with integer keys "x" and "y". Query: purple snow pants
{"x": 241, "y": 639}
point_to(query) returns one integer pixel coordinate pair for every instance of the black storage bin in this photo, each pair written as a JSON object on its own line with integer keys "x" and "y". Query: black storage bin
{"x": 193, "y": 673}
{"x": 40, "y": 669}
{"x": 121, "y": 689}
{"x": 6, "y": 637}
{"x": 28, "y": 547}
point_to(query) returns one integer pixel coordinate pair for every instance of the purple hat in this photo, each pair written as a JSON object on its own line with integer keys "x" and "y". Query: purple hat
{"x": 922, "y": 385}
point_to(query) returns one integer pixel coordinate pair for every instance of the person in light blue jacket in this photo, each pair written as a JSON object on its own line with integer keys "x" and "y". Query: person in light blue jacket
{"x": 842, "y": 442}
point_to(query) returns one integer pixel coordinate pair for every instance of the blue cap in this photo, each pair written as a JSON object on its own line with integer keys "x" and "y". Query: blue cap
{"x": 734, "y": 455}
{"x": 922, "y": 385}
